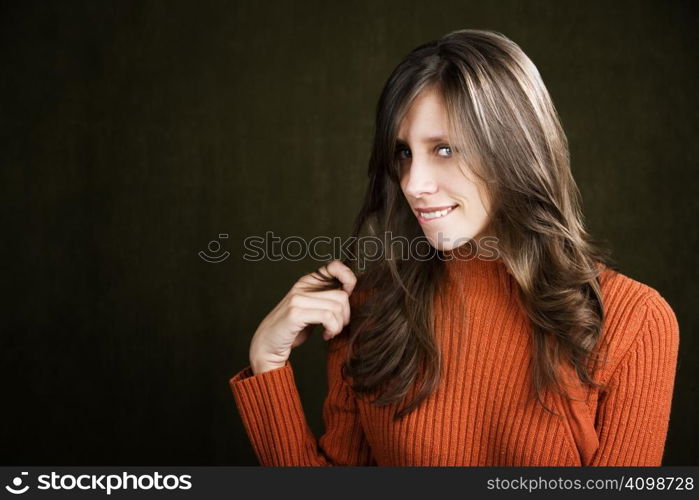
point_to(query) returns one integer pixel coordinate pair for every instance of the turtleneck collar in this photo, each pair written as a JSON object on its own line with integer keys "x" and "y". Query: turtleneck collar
{"x": 474, "y": 268}
{"x": 471, "y": 264}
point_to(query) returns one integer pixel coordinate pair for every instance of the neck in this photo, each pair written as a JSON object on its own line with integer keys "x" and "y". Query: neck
{"x": 479, "y": 257}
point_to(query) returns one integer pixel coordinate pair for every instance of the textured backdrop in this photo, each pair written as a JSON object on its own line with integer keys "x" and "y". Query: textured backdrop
{"x": 133, "y": 134}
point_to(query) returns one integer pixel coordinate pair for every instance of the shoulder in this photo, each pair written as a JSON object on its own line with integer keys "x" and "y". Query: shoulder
{"x": 637, "y": 318}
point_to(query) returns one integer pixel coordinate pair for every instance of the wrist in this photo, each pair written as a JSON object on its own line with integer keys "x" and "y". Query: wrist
{"x": 259, "y": 363}
{"x": 261, "y": 366}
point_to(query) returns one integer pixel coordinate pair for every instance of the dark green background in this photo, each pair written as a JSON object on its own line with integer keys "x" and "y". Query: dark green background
{"x": 133, "y": 133}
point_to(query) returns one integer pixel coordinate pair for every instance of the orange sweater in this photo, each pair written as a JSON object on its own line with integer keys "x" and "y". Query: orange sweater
{"x": 480, "y": 415}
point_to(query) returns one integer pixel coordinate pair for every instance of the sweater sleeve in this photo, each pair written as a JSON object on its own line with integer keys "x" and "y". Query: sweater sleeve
{"x": 273, "y": 417}
{"x": 633, "y": 417}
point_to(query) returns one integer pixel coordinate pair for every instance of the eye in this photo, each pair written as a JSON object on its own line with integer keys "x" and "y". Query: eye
{"x": 446, "y": 149}
{"x": 402, "y": 153}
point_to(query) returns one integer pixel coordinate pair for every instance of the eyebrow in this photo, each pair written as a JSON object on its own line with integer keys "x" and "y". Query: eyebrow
{"x": 427, "y": 140}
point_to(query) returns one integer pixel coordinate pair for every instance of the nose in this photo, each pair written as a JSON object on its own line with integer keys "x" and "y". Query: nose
{"x": 419, "y": 179}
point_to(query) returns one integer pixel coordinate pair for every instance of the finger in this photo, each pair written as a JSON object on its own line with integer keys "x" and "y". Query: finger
{"x": 308, "y": 301}
{"x": 339, "y": 296}
{"x": 343, "y": 273}
{"x": 304, "y": 316}
{"x": 302, "y": 336}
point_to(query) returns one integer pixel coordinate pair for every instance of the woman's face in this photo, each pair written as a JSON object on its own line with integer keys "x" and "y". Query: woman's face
{"x": 451, "y": 207}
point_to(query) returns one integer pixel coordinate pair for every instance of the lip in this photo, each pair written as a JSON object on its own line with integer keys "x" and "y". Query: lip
{"x": 433, "y": 209}
{"x": 422, "y": 220}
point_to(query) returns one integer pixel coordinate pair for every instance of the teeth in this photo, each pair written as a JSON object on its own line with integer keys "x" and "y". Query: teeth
{"x": 434, "y": 215}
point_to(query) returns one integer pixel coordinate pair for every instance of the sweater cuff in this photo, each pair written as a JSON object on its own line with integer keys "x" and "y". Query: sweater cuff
{"x": 272, "y": 413}
{"x": 273, "y": 391}
{"x": 246, "y": 373}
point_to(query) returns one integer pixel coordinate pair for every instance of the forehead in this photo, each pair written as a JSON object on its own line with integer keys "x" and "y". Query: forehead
{"x": 425, "y": 120}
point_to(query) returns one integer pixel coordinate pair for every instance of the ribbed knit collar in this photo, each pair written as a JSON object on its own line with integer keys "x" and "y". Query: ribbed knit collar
{"x": 475, "y": 269}
{"x": 456, "y": 261}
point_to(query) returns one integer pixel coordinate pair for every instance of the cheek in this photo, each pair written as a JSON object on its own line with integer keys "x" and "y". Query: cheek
{"x": 483, "y": 198}
{"x": 462, "y": 188}
{"x": 402, "y": 184}
{"x": 475, "y": 204}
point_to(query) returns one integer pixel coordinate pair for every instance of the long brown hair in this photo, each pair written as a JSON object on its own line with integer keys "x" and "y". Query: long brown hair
{"x": 504, "y": 125}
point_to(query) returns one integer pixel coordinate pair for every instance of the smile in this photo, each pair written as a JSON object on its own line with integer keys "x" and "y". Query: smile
{"x": 424, "y": 216}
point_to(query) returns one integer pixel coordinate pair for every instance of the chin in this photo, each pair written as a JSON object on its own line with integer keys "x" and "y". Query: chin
{"x": 447, "y": 241}
{"x": 443, "y": 248}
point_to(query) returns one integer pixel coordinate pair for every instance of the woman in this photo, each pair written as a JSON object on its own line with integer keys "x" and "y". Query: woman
{"x": 514, "y": 342}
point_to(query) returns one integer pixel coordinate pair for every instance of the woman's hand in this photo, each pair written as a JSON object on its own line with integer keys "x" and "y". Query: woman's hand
{"x": 292, "y": 320}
